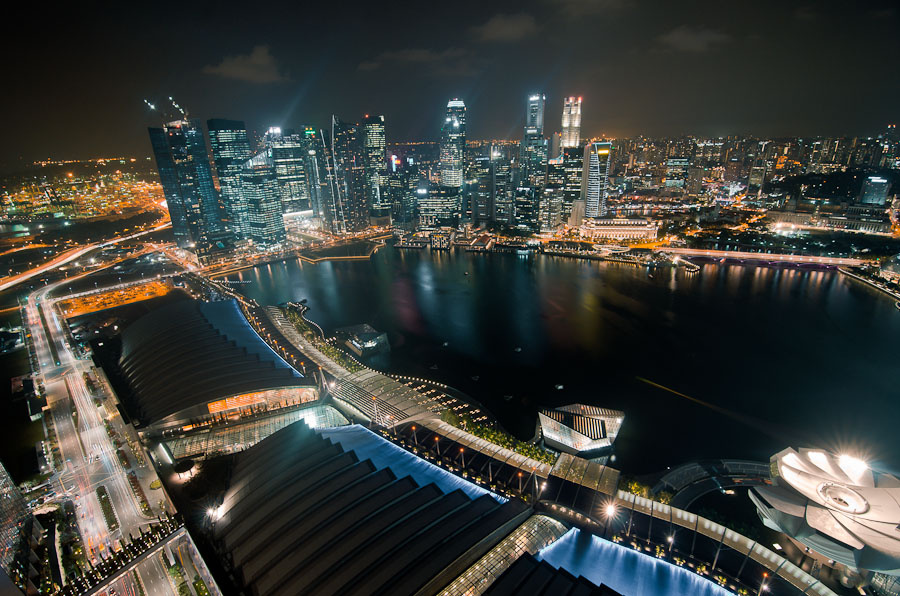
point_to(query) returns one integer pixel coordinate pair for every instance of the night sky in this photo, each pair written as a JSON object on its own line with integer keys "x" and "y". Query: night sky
{"x": 75, "y": 76}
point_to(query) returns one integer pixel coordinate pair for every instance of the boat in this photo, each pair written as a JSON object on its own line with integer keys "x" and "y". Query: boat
{"x": 559, "y": 387}
{"x": 475, "y": 378}
{"x": 518, "y": 349}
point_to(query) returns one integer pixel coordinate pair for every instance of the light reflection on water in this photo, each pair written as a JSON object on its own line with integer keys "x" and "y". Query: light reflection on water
{"x": 807, "y": 354}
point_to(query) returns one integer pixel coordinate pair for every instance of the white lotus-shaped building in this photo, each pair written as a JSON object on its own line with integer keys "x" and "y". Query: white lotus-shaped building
{"x": 835, "y": 505}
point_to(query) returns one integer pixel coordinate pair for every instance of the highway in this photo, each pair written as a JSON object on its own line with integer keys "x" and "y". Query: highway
{"x": 89, "y": 457}
{"x": 69, "y": 256}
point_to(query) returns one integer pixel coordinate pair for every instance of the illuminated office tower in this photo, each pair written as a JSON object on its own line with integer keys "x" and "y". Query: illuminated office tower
{"x": 503, "y": 185}
{"x": 453, "y": 144}
{"x": 875, "y": 190}
{"x": 573, "y": 189}
{"x": 316, "y": 162}
{"x": 526, "y": 209}
{"x": 186, "y": 177}
{"x": 596, "y": 179}
{"x": 374, "y": 162}
{"x": 481, "y": 190}
{"x": 13, "y": 519}
{"x": 534, "y": 147}
{"x": 550, "y": 215}
{"x": 259, "y": 185}
{"x": 230, "y": 149}
{"x": 437, "y": 205}
{"x": 347, "y": 149}
{"x": 571, "y": 122}
{"x": 289, "y": 159}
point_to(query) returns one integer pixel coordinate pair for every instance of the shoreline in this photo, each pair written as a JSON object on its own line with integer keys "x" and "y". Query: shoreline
{"x": 870, "y": 283}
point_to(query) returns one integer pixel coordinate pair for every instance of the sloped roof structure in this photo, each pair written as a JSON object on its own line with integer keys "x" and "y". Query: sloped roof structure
{"x": 191, "y": 353}
{"x": 303, "y": 516}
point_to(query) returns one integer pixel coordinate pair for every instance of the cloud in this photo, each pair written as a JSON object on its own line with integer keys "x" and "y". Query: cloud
{"x": 505, "y": 27}
{"x": 449, "y": 62}
{"x": 583, "y": 8}
{"x": 689, "y": 39}
{"x": 259, "y": 66}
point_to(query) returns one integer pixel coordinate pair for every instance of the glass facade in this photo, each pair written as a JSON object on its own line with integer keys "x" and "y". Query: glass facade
{"x": 571, "y": 122}
{"x": 186, "y": 176}
{"x": 259, "y": 185}
{"x": 230, "y": 149}
{"x": 597, "y": 175}
{"x": 534, "y": 534}
{"x": 453, "y": 144}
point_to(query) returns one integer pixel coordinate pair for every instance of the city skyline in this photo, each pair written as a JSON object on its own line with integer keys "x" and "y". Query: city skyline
{"x": 655, "y": 70}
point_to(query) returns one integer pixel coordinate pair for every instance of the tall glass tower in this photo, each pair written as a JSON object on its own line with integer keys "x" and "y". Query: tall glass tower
{"x": 186, "y": 176}
{"x": 375, "y": 161}
{"x": 597, "y": 174}
{"x": 260, "y": 188}
{"x": 289, "y": 157}
{"x": 453, "y": 144}
{"x": 534, "y": 146}
{"x": 230, "y": 149}
{"x": 571, "y": 122}
{"x": 351, "y": 213}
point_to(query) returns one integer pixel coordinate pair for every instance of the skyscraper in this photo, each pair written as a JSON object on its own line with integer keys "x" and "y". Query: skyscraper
{"x": 187, "y": 181}
{"x": 453, "y": 144}
{"x": 230, "y": 149}
{"x": 289, "y": 159}
{"x": 534, "y": 146}
{"x": 347, "y": 149}
{"x": 597, "y": 175}
{"x": 316, "y": 160}
{"x": 374, "y": 162}
{"x": 571, "y": 122}
{"x": 259, "y": 185}
{"x": 534, "y": 114}
{"x": 573, "y": 189}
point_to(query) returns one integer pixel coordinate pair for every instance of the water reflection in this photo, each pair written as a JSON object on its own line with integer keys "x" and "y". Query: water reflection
{"x": 809, "y": 352}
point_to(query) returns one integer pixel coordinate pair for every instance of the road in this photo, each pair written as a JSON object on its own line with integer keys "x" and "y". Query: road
{"x": 89, "y": 457}
{"x": 69, "y": 256}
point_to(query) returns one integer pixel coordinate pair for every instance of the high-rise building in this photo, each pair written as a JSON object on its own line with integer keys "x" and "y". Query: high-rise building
{"x": 453, "y": 144}
{"x": 259, "y": 185}
{"x": 503, "y": 184}
{"x": 677, "y": 171}
{"x": 534, "y": 113}
{"x": 534, "y": 147}
{"x": 317, "y": 160}
{"x": 437, "y": 205}
{"x": 230, "y": 149}
{"x": 481, "y": 190}
{"x": 551, "y": 206}
{"x": 596, "y": 178}
{"x": 348, "y": 154}
{"x": 571, "y": 122}
{"x": 289, "y": 158}
{"x": 526, "y": 209}
{"x": 13, "y": 518}
{"x": 186, "y": 177}
{"x": 374, "y": 162}
{"x": 573, "y": 189}
{"x": 875, "y": 190}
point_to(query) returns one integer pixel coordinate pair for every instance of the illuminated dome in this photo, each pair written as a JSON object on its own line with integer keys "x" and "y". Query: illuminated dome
{"x": 837, "y": 506}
